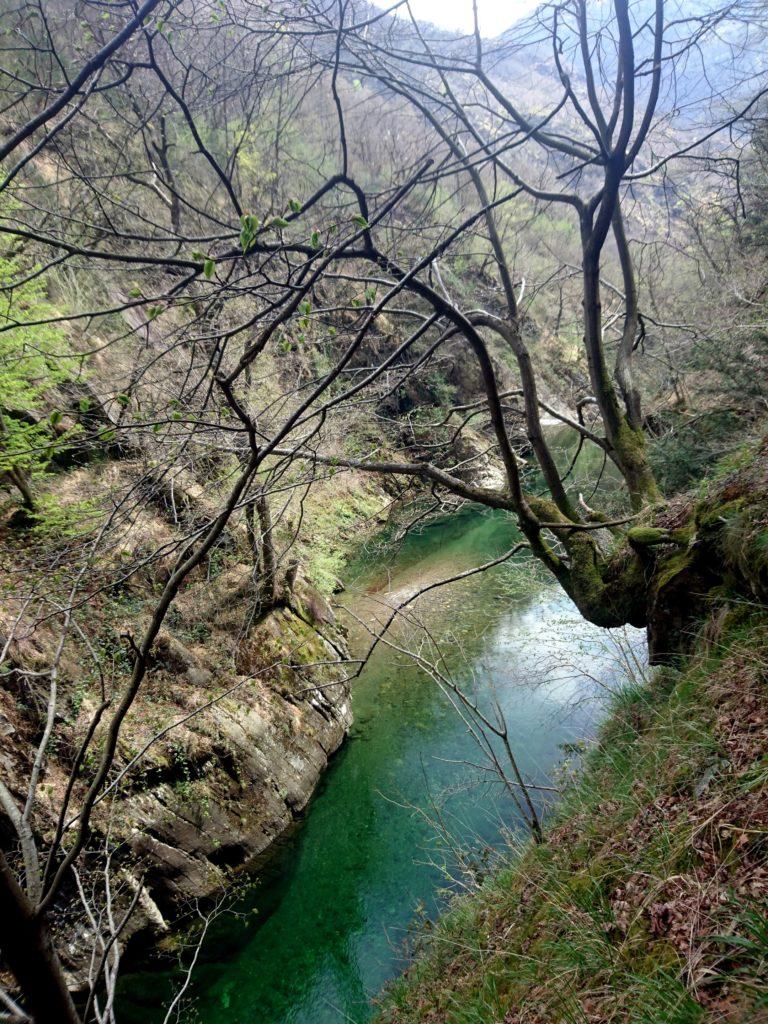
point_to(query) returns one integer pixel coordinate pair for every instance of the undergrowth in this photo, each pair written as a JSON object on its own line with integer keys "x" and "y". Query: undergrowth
{"x": 339, "y": 512}
{"x": 649, "y": 900}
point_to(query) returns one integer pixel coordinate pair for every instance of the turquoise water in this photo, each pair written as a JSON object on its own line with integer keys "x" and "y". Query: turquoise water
{"x": 329, "y": 923}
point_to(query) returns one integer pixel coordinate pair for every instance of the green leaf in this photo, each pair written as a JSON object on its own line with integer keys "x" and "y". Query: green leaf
{"x": 295, "y": 205}
{"x": 278, "y": 222}
{"x": 108, "y": 435}
{"x": 208, "y": 268}
{"x": 360, "y": 220}
{"x": 122, "y": 400}
{"x": 735, "y": 940}
{"x": 315, "y": 240}
{"x": 84, "y": 404}
{"x": 249, "y": 227}
{"x": 55, "y": 417}
{"x": 135, "y": 293}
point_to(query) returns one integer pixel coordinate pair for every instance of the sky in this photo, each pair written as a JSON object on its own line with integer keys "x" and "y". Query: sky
{"x": 495, "y": 15}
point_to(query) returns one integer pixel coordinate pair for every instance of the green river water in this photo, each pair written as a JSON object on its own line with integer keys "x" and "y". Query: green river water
{"x": 329, "y": 922}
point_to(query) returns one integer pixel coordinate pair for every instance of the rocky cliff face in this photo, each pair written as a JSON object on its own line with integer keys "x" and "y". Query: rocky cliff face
{"x": 234, "y": 726}
{"x": 239, "y": 773}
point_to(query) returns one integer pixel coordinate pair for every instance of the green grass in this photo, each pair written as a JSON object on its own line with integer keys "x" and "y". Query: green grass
{"x": 331, "y": 526}
{"x": 574, "y": 930}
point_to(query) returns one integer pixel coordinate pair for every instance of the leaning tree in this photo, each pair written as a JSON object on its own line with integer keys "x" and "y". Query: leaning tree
{"x": 635, "y": 90}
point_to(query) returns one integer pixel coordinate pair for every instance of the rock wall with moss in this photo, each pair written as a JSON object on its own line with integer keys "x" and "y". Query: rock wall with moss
{"x": 234, "y": 725}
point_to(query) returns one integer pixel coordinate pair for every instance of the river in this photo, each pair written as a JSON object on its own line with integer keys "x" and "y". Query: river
{"x": 329, "y": 922}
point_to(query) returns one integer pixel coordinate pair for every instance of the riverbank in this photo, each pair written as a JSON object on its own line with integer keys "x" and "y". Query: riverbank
{"x": 647, "y": 902}
{"x": 332, "y": 917}
{"x": 242, "y": 709}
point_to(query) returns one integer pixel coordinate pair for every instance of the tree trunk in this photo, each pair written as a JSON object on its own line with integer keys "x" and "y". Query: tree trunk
{"x": 268, "y": 582}
{"x": 627, "y": 445}
{"x": 20, "y": 481}
{"x": 29, "y": 952}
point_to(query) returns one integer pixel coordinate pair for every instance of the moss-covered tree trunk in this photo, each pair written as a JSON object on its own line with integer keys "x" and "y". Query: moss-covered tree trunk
{"x": 676, "y": 563}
